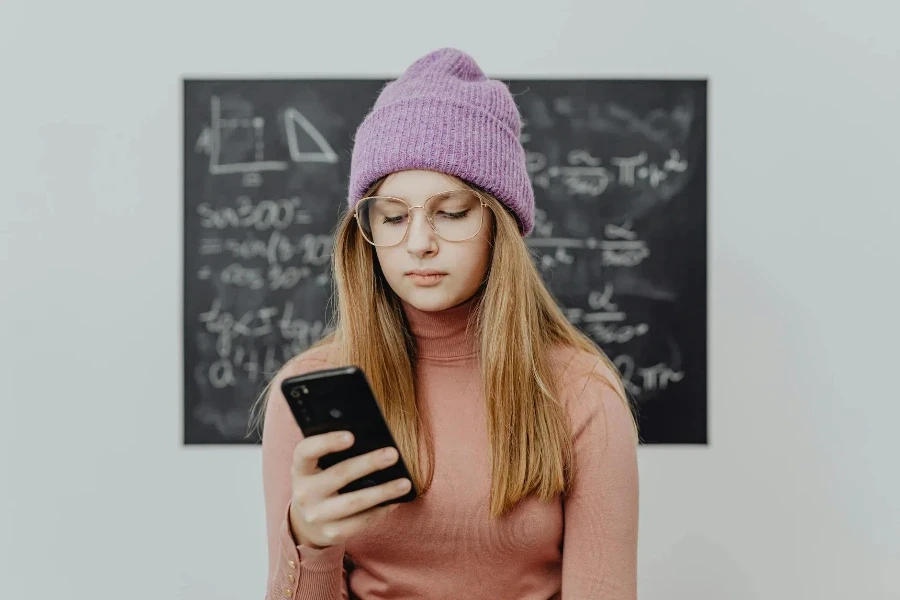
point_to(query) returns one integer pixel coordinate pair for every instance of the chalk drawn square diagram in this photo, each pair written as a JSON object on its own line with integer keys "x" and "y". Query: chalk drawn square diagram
{"x": 619, "y": 169}
{"x": 236, "y": 139}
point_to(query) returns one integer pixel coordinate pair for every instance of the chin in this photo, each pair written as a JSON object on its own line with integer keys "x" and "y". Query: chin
{"x": 431, "y": 299}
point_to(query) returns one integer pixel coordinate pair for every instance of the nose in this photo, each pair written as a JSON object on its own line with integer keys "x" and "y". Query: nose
{"x": 420, "y": 239}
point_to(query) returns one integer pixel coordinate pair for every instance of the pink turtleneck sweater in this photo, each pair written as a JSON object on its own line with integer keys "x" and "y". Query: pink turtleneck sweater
{"x": 442, "y": 545}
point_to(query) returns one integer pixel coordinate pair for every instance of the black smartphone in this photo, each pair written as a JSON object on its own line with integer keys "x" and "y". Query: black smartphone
{"x": 341, "y": 399}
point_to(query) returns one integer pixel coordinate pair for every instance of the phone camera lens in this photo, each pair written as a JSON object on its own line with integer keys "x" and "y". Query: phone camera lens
{"x": 335, "y": 413}
{"x": 295, "y": 393}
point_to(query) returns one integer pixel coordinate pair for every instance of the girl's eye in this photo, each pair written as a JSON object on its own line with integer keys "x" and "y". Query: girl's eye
{"x": 392, "y": 219}
{"x": 456, "y": 215}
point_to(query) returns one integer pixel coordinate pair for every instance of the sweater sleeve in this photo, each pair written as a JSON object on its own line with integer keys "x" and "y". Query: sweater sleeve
{"x": 601, "y": 509}
{"x": 296, "y": 572}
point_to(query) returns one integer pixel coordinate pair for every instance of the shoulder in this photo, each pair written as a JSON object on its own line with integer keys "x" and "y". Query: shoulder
{"x": 322, "y": 356}
{"x": 591, "y": 390}
{"x": 578, "y": 371}
{"x": 603, "y": 428}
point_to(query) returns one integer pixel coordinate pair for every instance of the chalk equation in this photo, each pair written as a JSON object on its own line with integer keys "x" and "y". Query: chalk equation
{"x": 609, "y": 326}
{"x": 655, "y": 161}
{"x": 253, "y": 345}
{"x": 271, "y": 278}
{"x": 585, "y": 174}
{"x": 639, "y": 380}
{"x": 277, "y": 248}
{"x": 619, "y": 246}
{"x": 274, "y": 213}
{"x": 604, "y": 319}
{"x": 265, "y": 231}
{"x": 288, "y": 261}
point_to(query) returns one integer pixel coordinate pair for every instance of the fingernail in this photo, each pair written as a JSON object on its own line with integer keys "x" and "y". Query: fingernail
{"x": 347, "y": 438}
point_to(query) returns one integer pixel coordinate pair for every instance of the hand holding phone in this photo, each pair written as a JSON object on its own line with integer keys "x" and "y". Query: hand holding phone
{"x": 319, "y": 515}
{"x": 341, "y": 485}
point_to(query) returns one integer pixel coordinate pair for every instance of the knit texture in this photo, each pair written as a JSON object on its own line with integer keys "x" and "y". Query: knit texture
{"x": 444, "y": 114}
{"x": 444, "y": 544}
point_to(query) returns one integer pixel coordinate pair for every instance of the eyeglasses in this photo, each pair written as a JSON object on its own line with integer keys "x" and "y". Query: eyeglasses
{"x": 454, "y": 215}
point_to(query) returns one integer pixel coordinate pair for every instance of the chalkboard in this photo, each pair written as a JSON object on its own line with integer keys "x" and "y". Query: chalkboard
{"x": 619, "y": 171}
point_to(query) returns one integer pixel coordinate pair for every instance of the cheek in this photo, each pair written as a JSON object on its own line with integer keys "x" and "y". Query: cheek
{"x": 476, "y": 259}
{"x": 476, "y": 256}
{"x": 485, "y": 246}
{"x": 387, "y": 262}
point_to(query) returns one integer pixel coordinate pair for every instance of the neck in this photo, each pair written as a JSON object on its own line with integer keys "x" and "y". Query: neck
{"x": 444, "y": 333}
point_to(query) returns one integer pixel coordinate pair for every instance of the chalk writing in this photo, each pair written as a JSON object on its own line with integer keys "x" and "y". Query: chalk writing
{"x": 639, "y": 380}
{"x": 609, "y": 326}
{"x": 310, "y": 249}
{"x": 620, "y": 246}
{"x": 586, "y": 175}
{"x": 253, "y": 344}
{"x": 279, "y": 213}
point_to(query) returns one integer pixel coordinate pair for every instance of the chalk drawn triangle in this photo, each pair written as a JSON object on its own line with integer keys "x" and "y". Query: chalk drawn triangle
{"x": 296, "y": 124}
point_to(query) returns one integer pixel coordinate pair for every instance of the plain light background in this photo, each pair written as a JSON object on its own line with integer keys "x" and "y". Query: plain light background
{"x": 798, "y": 493}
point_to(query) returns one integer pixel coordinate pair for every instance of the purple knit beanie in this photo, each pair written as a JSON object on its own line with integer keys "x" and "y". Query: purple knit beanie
{"x": 443, "y": 114}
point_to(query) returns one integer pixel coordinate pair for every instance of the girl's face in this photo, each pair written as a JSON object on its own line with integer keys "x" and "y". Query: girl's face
{"x": 453, "y": 271}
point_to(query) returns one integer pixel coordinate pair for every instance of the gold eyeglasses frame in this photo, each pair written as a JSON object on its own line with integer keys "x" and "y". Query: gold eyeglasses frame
{"x": 409, "y": 208}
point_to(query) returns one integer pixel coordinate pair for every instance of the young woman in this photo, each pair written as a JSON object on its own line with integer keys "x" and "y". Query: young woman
{"x": 514, "y": 425}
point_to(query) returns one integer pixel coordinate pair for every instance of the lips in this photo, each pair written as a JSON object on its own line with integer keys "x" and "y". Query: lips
{"x": 425, "y": 277}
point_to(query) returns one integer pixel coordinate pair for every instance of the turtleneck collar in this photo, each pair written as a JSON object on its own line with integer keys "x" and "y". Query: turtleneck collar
{"x": 443, "y": 334}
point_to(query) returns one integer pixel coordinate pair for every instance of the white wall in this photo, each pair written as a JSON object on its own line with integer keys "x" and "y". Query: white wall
{"x": 798, "y": 494}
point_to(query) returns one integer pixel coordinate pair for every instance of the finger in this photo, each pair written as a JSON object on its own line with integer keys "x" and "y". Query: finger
{"x": 309, "y": 450}
{"x": 346, "y": 471}
{"x": 344, "y": 506}
{"x": 336, "y": 531}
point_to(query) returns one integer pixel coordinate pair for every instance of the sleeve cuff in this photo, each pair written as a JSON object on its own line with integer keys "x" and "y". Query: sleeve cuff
{"x": 295, "y": 560}
{"x": 321, "y": 559}
{"x": 286, "y": 578}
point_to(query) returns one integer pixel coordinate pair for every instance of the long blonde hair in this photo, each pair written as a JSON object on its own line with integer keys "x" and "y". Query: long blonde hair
{"x": 529, "y": 429}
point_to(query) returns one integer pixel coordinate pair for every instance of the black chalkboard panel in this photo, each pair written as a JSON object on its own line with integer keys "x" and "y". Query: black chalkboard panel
{"x": 619, "y": 170}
